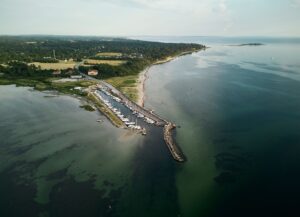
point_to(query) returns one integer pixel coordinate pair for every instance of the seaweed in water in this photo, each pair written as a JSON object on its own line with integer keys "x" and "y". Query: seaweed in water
{"x": 225, "y": 177}
{"x": 231, "y": 165}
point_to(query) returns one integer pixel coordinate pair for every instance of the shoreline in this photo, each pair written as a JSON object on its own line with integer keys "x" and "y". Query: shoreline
{"x": 143, "y": 75}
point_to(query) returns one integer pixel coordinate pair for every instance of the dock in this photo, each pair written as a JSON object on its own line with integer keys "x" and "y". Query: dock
{"x": 158, "y": 120}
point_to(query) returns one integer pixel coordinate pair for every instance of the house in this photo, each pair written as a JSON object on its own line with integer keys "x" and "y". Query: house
{"x": 93, "y": 72}
{"x": 77, "y": 88}
{"x": 56, "y": 72}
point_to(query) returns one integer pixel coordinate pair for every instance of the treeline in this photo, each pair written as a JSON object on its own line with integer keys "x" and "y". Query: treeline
{"x": 31, "y": 48}
{"x": 23, "y": 70}
{"x": 17, "y": 51}
{"x": 20, "y": 69}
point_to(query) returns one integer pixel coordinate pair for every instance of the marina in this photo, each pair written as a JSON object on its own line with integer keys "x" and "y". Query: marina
{"x": 136, "y": 117}
{"x": 112, "y": 103}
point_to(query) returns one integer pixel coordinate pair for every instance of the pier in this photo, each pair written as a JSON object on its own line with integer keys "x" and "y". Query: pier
{"x": 158, "y": 120}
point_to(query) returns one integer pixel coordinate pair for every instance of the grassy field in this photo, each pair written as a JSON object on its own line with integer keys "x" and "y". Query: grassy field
{"x": 126, "y": 84}
{"x": 47, "y": 84}
{"x": 68, "y": 87}
{"x": 37, "y": 84}
{"x": 109, "y": 62}
{"x": 55, "y": 66}
{"x": 109, "y": 54}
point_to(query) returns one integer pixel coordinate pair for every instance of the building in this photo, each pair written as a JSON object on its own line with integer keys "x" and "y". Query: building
{"x": 77, "y": 88}
{"x": 56, "y": 72}
{"x": 93, "y": 72}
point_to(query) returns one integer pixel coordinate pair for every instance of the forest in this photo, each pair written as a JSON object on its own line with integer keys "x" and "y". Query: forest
{"x": 18, "y": 51}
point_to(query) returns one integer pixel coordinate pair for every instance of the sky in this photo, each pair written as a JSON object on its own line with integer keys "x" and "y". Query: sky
{"x": 151, "y": 17}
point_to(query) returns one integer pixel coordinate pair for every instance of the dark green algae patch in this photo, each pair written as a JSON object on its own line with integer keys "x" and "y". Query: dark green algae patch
{"x": 64, "y": 199}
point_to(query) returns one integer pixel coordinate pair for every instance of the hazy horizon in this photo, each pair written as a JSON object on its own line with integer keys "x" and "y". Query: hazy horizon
{"x": 150, "y": 18}
{"x": 162, "y": 36}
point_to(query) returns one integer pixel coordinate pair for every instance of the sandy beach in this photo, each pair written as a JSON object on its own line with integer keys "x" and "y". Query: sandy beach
{"x": 143, "y": 76}
{"x": 141, "y": 86}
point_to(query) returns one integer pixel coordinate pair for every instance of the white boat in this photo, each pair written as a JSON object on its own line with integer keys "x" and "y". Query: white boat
{"x": 129, "y": 123}
{"x": 136, "y": 127}
{"x": 144, "y": 132}
{"x": 150, "y": 121}
{"x": 125, "y": 119}
{"x": 117, "y": 99}
{"x": 140, "y": 115}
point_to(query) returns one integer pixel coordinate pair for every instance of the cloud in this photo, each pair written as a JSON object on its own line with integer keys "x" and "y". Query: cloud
{"x": 196, "y": 14}
{"x": 223, "y": 6}
{"x": 295, "y": 3}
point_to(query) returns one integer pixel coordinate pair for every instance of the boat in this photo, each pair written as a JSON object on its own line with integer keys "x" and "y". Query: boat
{"x": 129, "y": 123}
{"x": 125, "y": 119}
{"x": 140, "y": 115}
{"x": 144, "y": 132}
{"x": 117, "y": 99}
{"x": 149, "y": 121}
{"x": 137, "y": 127}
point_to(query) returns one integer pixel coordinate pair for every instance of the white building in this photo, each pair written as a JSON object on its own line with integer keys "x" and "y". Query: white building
{"x": 93, "y": 72}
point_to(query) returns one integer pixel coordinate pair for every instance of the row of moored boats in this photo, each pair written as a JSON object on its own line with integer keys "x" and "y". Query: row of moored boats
{"x": 134, "y": 112}
{"x": 126, "y": 121}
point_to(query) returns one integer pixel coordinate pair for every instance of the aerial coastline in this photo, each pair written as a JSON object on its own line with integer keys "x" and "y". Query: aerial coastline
{"x": 110, "y": 77}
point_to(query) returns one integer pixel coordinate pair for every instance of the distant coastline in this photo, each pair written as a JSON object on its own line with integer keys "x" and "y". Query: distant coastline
{"x": 248, "y": 44}
{"x": 122, "y": 63}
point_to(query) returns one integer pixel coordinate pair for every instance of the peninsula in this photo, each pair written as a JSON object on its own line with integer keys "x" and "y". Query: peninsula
{"x": 105, "y": 71}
